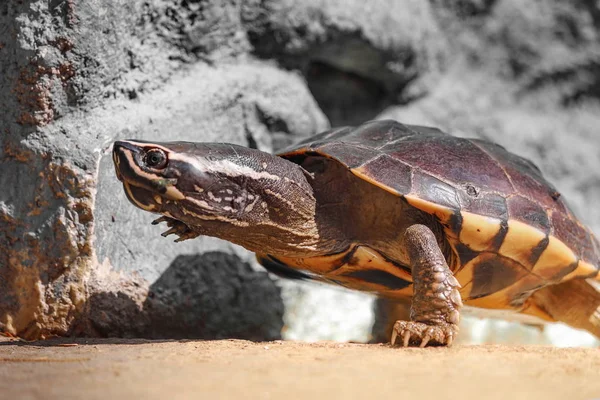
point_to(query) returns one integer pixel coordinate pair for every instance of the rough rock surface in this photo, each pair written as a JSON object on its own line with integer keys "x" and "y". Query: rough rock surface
{"x": 74, "y": 77}
{"x": 76, "y": 258}
{"x": 358, "y": 57}
{"x": 209, "y": 296}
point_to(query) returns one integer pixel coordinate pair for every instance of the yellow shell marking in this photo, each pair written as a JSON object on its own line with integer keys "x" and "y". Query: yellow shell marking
{"x": 320, "y": 265}
{"x": 555, "y": 258}
{"x": 502, "y": 299}
{"x": 583, "y": 269}
{"x": 364, "y": 258}
{"x": 478, "y": 231}
{"x": 465, "y": 278}
{"x": 519, "y": 242}
{"x": 497, "y": 300}
{"x": 442, "y": 213}
{"x": 332, "y": 266}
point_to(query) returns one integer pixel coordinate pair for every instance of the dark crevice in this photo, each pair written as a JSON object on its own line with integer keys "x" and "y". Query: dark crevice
{"x": 467, "y": 8}
{"x": 274, "y": 124}
{"x": 345, "y": 97}
{"x": 250, "y": 141}
{"x": 350, "y": 97}
{"x": 578, "y": 82}
{"x": 249, "y": 136}
{"x": 593, "y": 8}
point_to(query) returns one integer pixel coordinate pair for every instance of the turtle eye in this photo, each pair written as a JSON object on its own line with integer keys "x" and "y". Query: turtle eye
{"x": 156, "y": 159}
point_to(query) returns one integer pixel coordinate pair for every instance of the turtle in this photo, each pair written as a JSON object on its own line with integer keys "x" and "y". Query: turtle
{"x": 407, "y": 212}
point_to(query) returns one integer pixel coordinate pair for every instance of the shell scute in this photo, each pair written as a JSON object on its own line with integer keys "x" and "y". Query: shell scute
{"x": 350, "y": 155}
{"x": 481, "y": 233}
{"x": 520, "y": 241}
{"x": 323, "y": 137}
{"x": 524, "y": 210}
{"x": 430, "y": 188}
{"x": 524, "y": 176}
{"x": 426, "y": 130}
{"x": 378, "y": 133}
{"x": 490, "y": 204}
{"x": 556, "y": 260}
{"x": 454, "y": 160}
{"x": 465, "y": 253}
{"x": 572, "y": 234}
{"x": 492, "y": 274}
{"x": 386, "y": 171}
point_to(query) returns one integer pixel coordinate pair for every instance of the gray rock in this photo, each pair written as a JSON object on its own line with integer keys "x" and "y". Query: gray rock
{"x": 358, "y": 56}
{"x": 76, "y": 76}
{"x": 210, "y": 296}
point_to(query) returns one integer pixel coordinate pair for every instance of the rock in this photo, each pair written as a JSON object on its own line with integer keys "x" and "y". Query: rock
{"x": 358, "y": 56}
{"x": 209, "y": 296}
{"x": 75, "y": 77}
{"x": 214, "y": 295}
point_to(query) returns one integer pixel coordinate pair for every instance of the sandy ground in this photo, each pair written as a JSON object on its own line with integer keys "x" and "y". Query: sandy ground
{"x": 132, "y": 369}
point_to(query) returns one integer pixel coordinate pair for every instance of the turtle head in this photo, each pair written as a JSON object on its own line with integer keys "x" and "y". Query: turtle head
{"x": 149, "y": 174}
{"x": 243, "y": 195}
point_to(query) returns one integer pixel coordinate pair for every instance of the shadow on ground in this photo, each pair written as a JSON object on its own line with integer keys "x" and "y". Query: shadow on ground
{"x": 214, "y": 295}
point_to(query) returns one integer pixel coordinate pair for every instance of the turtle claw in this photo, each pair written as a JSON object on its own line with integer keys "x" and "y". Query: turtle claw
{"x": 159, "y": 220}
{"x": 406, "y": 338}
{"x": 413, "y": 332}
{"x": 187, "y": 235}
{"x": 425, "y": 341}
{"x": 171, "y": 231}
{"x": 176, "y": 227}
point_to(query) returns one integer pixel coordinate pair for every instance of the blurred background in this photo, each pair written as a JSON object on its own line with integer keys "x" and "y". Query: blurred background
{"x": 77, "y": 259}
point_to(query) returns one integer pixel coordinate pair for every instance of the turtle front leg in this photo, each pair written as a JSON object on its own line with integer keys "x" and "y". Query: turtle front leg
{"x": 436, "y": 300}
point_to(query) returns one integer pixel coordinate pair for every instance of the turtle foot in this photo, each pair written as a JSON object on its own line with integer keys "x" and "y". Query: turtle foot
{"x": 419, "y": 333}
{"x": 176, "y": 227}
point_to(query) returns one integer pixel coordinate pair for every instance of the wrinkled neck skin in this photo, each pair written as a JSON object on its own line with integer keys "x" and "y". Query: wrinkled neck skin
{"x": 254, "y": 199}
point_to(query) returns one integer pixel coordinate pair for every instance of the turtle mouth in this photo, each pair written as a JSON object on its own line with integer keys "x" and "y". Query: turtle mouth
{"x": 117, "y": 163}
{"x": 142, "y": 197}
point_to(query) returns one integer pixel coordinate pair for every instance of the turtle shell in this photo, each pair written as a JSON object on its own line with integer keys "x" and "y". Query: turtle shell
{"x": 504, "y": 221}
